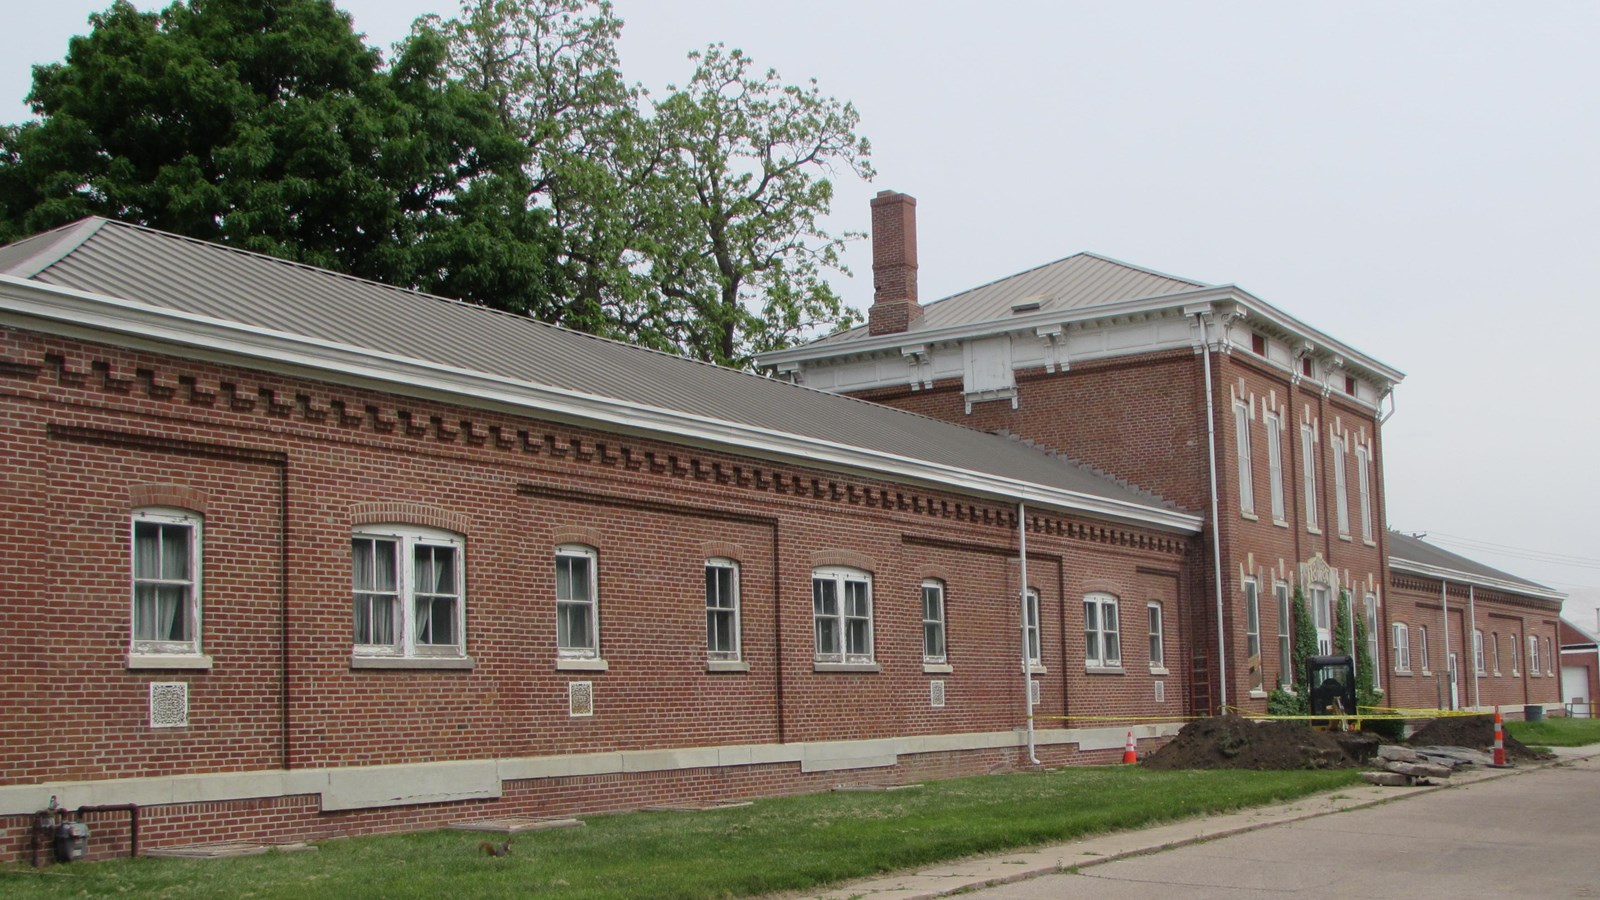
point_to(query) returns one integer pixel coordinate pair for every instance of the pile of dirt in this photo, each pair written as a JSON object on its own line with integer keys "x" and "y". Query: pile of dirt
{"x": 1474, "y": 732}
{"x": 1234, "y": 742}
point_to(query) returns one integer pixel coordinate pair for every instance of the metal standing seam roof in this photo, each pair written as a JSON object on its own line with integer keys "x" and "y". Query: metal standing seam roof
{"x": 1080, "y": 281}
{"x": 1405, "y": 548}
{"x": 129, "y": 262}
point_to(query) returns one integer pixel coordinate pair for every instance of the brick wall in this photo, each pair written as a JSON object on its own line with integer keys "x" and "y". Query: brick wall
{"x": 286, "y": 467}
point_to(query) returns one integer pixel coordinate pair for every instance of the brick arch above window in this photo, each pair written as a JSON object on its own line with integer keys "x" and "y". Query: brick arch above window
{"x": 179, "y": 496}
{"x": 576, "y": 534}
{"x": 847, "y": 558}
{"x": 1102, "y": 586}
{"x": 935, "y": 573}
{"x": 409, "y": 513}
{"x": 722, "y": 550}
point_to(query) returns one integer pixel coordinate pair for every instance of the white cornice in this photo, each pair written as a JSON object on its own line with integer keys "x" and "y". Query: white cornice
{"x": 1457, "y": 576}
{"x": 1251, "y": 307}
{"x": 93, "y": 316}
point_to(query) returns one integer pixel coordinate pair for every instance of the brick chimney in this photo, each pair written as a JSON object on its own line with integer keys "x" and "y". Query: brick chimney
{"x": 894, "y": 264}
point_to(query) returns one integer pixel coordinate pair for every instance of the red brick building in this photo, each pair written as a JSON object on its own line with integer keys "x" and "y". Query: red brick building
{"x": 297, "y": 554}
{"x": 1209, "y": 396}
{"x": 1580, "y": 670}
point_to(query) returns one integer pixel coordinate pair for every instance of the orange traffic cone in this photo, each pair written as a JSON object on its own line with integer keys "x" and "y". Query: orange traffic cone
{"x": 1499, "y": 760}
{"x": 1130, "y": 753}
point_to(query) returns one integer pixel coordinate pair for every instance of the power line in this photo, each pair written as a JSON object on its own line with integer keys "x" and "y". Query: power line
{"x": 1544, "y": 556}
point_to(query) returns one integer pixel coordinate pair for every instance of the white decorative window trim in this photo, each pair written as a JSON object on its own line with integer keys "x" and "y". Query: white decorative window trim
{"x": 1158, "y": 638}
{"x": 575, "y": 608}
{"x": 150, "y": 580}
{"x": 935, "y": 650}
{"x": 414, "y": 547}
{"x": 1242, "y": 410}
{"x": 841, "y": 617}
{"x": 1400, "y": 643}
{"x": 1102, "y": 627}
{"x": 724, "y": 641}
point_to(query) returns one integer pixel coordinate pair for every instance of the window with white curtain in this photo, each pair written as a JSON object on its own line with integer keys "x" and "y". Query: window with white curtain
{"x": 933, "y": 652}
{"x": 1241, "y": 439}
{"x": 166, "y": 582}
{"x": 1274, "y": 423}
{"x": 577, "y": 603}
{"x": 1101, "y": 634}
{"x": 722, "y": 610}
{"x": 1364, "y": 486}
{"x": 1308, "y": 465}
{"x": 1341, "y": 496}
{"x": 407, "y": 592}
{"x": 841, "y": 613}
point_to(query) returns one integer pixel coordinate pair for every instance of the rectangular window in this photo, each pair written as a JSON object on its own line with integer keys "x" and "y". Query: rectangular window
{"x": 577, "y": 604}
{"x": 1533, "y": 656}
{"x": 1308, "y": 462}
{"x": 933, "y": 622}
{"x": 1275, "y": 464}
{"x": 1422, "y": 648}
{"x": 1158, "y": 650}
{"x": 1035, "y": 653}
{"x": 1252, "y": 633}
{"x": 1478, "y": 662}
{"x": 841, "y": 611}
{"x": 722, "y": 610}
{"x": 1341, "y": 499}
{"x": 406, "y": 590}
{"x": 1241, "y": 437}
{"x": 1516, "y": 662}
{"x": 1285, "y": 642}
{"x": 1402, "y": 648}
{"x": 1494, "y": 650}
{"x": 1102, "y": 641}
{"x": 1363, "y": 485}
{"x": 1322, "y": 616}
{"x": 166, "y": 583}
{"x": 1372, "y": 640}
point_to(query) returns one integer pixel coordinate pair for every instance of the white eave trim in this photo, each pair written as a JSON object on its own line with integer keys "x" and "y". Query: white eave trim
{"x": 1458, "y": 577}
{"x": 1183, "y": 301}
{"x": 83, "y": 310}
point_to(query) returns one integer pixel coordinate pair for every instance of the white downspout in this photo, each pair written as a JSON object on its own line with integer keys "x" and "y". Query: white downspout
{"x": 1472, "y": 613}
{"x": 1216, "y": 525}
{"x": 1027, "y": 661}
{"x": 1450, "y": 677}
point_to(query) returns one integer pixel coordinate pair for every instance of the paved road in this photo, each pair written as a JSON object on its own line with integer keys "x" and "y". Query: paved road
{"x": 1535, "y": 834}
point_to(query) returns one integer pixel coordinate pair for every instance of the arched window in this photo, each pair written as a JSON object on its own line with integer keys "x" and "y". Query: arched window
{"x": 408, "y": 592}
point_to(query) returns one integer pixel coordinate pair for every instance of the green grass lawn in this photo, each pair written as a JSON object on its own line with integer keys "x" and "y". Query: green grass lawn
{"x": 1561, "y": 732}
{"x": 779, "y": 844}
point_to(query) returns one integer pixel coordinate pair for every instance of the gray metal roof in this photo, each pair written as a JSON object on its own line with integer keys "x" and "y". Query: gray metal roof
{"x": 1080, "y": 281}
{"x": 1411, "y": 549}
{"x": 133, "y": 263}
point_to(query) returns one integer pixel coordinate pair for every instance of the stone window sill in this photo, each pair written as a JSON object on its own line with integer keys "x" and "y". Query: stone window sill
{"x": 582, "y": 665}
{"x": 866, "y": 668}
{"x": 412, "y": 662}
{"x": 168, "y": 661}
{"x": 1104, "y": 670}
{"x": 727, "y": 665}
{"x": 1159, "y": 670}
{"x": 938, "y": 668}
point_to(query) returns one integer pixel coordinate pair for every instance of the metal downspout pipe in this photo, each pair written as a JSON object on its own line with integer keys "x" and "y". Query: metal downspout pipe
{"x": 1477, "y": 645}
{"x": 1027, "y": 660}
{"x": 1216, "y": 529}
{"x": 1450, "y": 678}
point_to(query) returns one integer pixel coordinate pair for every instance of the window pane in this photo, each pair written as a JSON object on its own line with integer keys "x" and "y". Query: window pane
{"x": 1109, "y": 615}
{"x": 436, "y": 621}
{"x": 932, "y": 639}
{"x": 1091, "y": 617}
{"x": 932, "y": 603}
{"x": 572, "y": 577}
{"x": 827, "y": 636}
{"x": 824, "y": 597}
{"x": 572, "y": 626}
{"x": 856, "y": 599}
{"x": 857, "y": 645}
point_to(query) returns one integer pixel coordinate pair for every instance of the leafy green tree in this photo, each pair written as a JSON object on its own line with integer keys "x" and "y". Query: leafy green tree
{"x": 268, "y": 125}
{"x": 690, "y": 224}
{"x": 1304, "y": 646}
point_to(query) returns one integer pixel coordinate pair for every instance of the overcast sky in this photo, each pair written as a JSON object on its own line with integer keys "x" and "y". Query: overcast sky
{"x": 1420, "y": 180}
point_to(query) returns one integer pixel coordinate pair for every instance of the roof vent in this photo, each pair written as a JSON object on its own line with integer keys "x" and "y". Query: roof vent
{"x": 1027, "y": 304}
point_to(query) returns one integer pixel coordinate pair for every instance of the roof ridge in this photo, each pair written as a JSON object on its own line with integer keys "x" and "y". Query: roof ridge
{"x": 55, "y": 245}
{"x": 1145, "y": 269}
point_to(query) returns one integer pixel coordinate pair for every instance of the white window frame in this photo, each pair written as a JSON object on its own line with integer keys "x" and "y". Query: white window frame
{"x": 407, "y": 644}
{"x": 1322, "y": 616}
{"x": 1280, "y": 591}
{"x": 1308, "y": 462}
{"x": 1480, "y": 665}
{"x": 1274, "y": 422}
{"x": 1364, "y": 487}
{"x": 845, "y": 581}
{"x": 192, "y": 607}
{"x": 1494, "y": 646}
{"x": 1516, "y": 656}
{"x": 1341, "y": 499}
{"x": 1035, "y": 642}
{"x": 1102, "y": 642}
{"x": 1158, "y": 636}
{"x": 1549, "y": 657}
{"x": 1422, "y": 648}
{"x": 589, "y": 605}
{"x": 1373, "y": 646}
{"x": 1252, "y": 633}
{"x": 1400, "y": 638}
{"x": 1241, "y": 437}
{"x": 1533, "y": 656}
{"x": 932, "y": 597}
{"x": 723, "y": 608}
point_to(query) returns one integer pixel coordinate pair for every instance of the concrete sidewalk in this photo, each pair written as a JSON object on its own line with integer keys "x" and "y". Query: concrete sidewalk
{"x": 969, "y": 874}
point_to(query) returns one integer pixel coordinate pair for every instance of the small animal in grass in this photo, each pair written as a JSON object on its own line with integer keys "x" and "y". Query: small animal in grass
{"x": 495, "y": 849}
